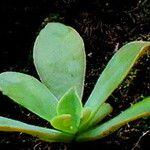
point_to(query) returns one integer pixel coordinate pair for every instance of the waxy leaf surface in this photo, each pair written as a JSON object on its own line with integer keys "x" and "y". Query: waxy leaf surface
{"x": 30, "y": 93}
{"x": 42, "y": 133}
{"x": 136, "y": 111}
{"x": 62, "y": 122}
{"x": 85, "y": 114}
{"x": 59, "y": 58}
{"x": 114, "y": 73}
{"x": 71, "y": 104}
{"x": 103, "y": 111}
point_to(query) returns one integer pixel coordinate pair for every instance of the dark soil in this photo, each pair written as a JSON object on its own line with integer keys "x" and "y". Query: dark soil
{"x": 105, "y": 26}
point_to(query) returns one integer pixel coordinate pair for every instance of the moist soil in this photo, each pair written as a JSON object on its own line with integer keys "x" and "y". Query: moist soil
{"x": 105, "y": 26}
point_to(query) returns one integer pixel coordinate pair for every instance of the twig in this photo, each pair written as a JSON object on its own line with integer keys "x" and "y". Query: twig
{"x": 136, "y": 144}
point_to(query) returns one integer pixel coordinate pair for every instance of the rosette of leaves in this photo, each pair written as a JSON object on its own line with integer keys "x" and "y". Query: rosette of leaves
{"x": 60, "y": 61}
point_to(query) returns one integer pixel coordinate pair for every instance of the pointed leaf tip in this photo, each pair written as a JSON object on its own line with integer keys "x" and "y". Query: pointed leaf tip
{"x": 71, "y": 104}
{"x": 115, "y": 71}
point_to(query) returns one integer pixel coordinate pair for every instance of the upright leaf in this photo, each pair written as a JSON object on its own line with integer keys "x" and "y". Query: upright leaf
{"x": 85, "y": 115}
{"x": 103, "y": 111}
{"x": 59, "y": 58}
{"x": 136, "y": 111}
{"x": 30, "y": 93}
{"x": 44, "y": 134}
{"x": 114, "y": 73}
{"x": 69, "y": 104}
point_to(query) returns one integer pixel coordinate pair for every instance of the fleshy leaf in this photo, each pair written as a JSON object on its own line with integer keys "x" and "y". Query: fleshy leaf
{"x": 85, "y": 114}
{"x": 63, "y": 123}
{"x": 45, "y": 134}
{"x": 136, "y": 111}
{"x": 71, "y": 104}
{"x": 30, "y": 93}
{"x": 59, "y": 58}
{"x": 114, "y": 73}
{"x": 103, "y": 111}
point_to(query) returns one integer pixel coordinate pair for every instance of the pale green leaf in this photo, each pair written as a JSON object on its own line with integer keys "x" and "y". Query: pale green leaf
{"x": 103, "y": 111}
{"x": 85, "y": 114}
{"x": 71, "y": 104}
{"x": 63, "y": 122}
{"x": 59, "y": 58}
{"x": 114, "y": 73}
{"x": 30, "y": 93}
{"x": 50, "y": 135}
{"x": 136, "y": 111}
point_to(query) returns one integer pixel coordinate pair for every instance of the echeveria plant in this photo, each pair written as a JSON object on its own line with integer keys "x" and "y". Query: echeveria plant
{"x": 59, "y": 58}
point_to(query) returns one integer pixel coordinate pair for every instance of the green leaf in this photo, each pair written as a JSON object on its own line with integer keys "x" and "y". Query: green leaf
{"x": 71, "y": 104}
{"x": 103, "y": 111}
{"x": 114, "y": 73}
{"x": 30, "y": 93}
{"x": 59, "y": 58}
{"x": 136, "y": 111}
{"x": 85, "y": 114}
{"x": 62, "y": 122}
{"x": 45, "y": 134}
